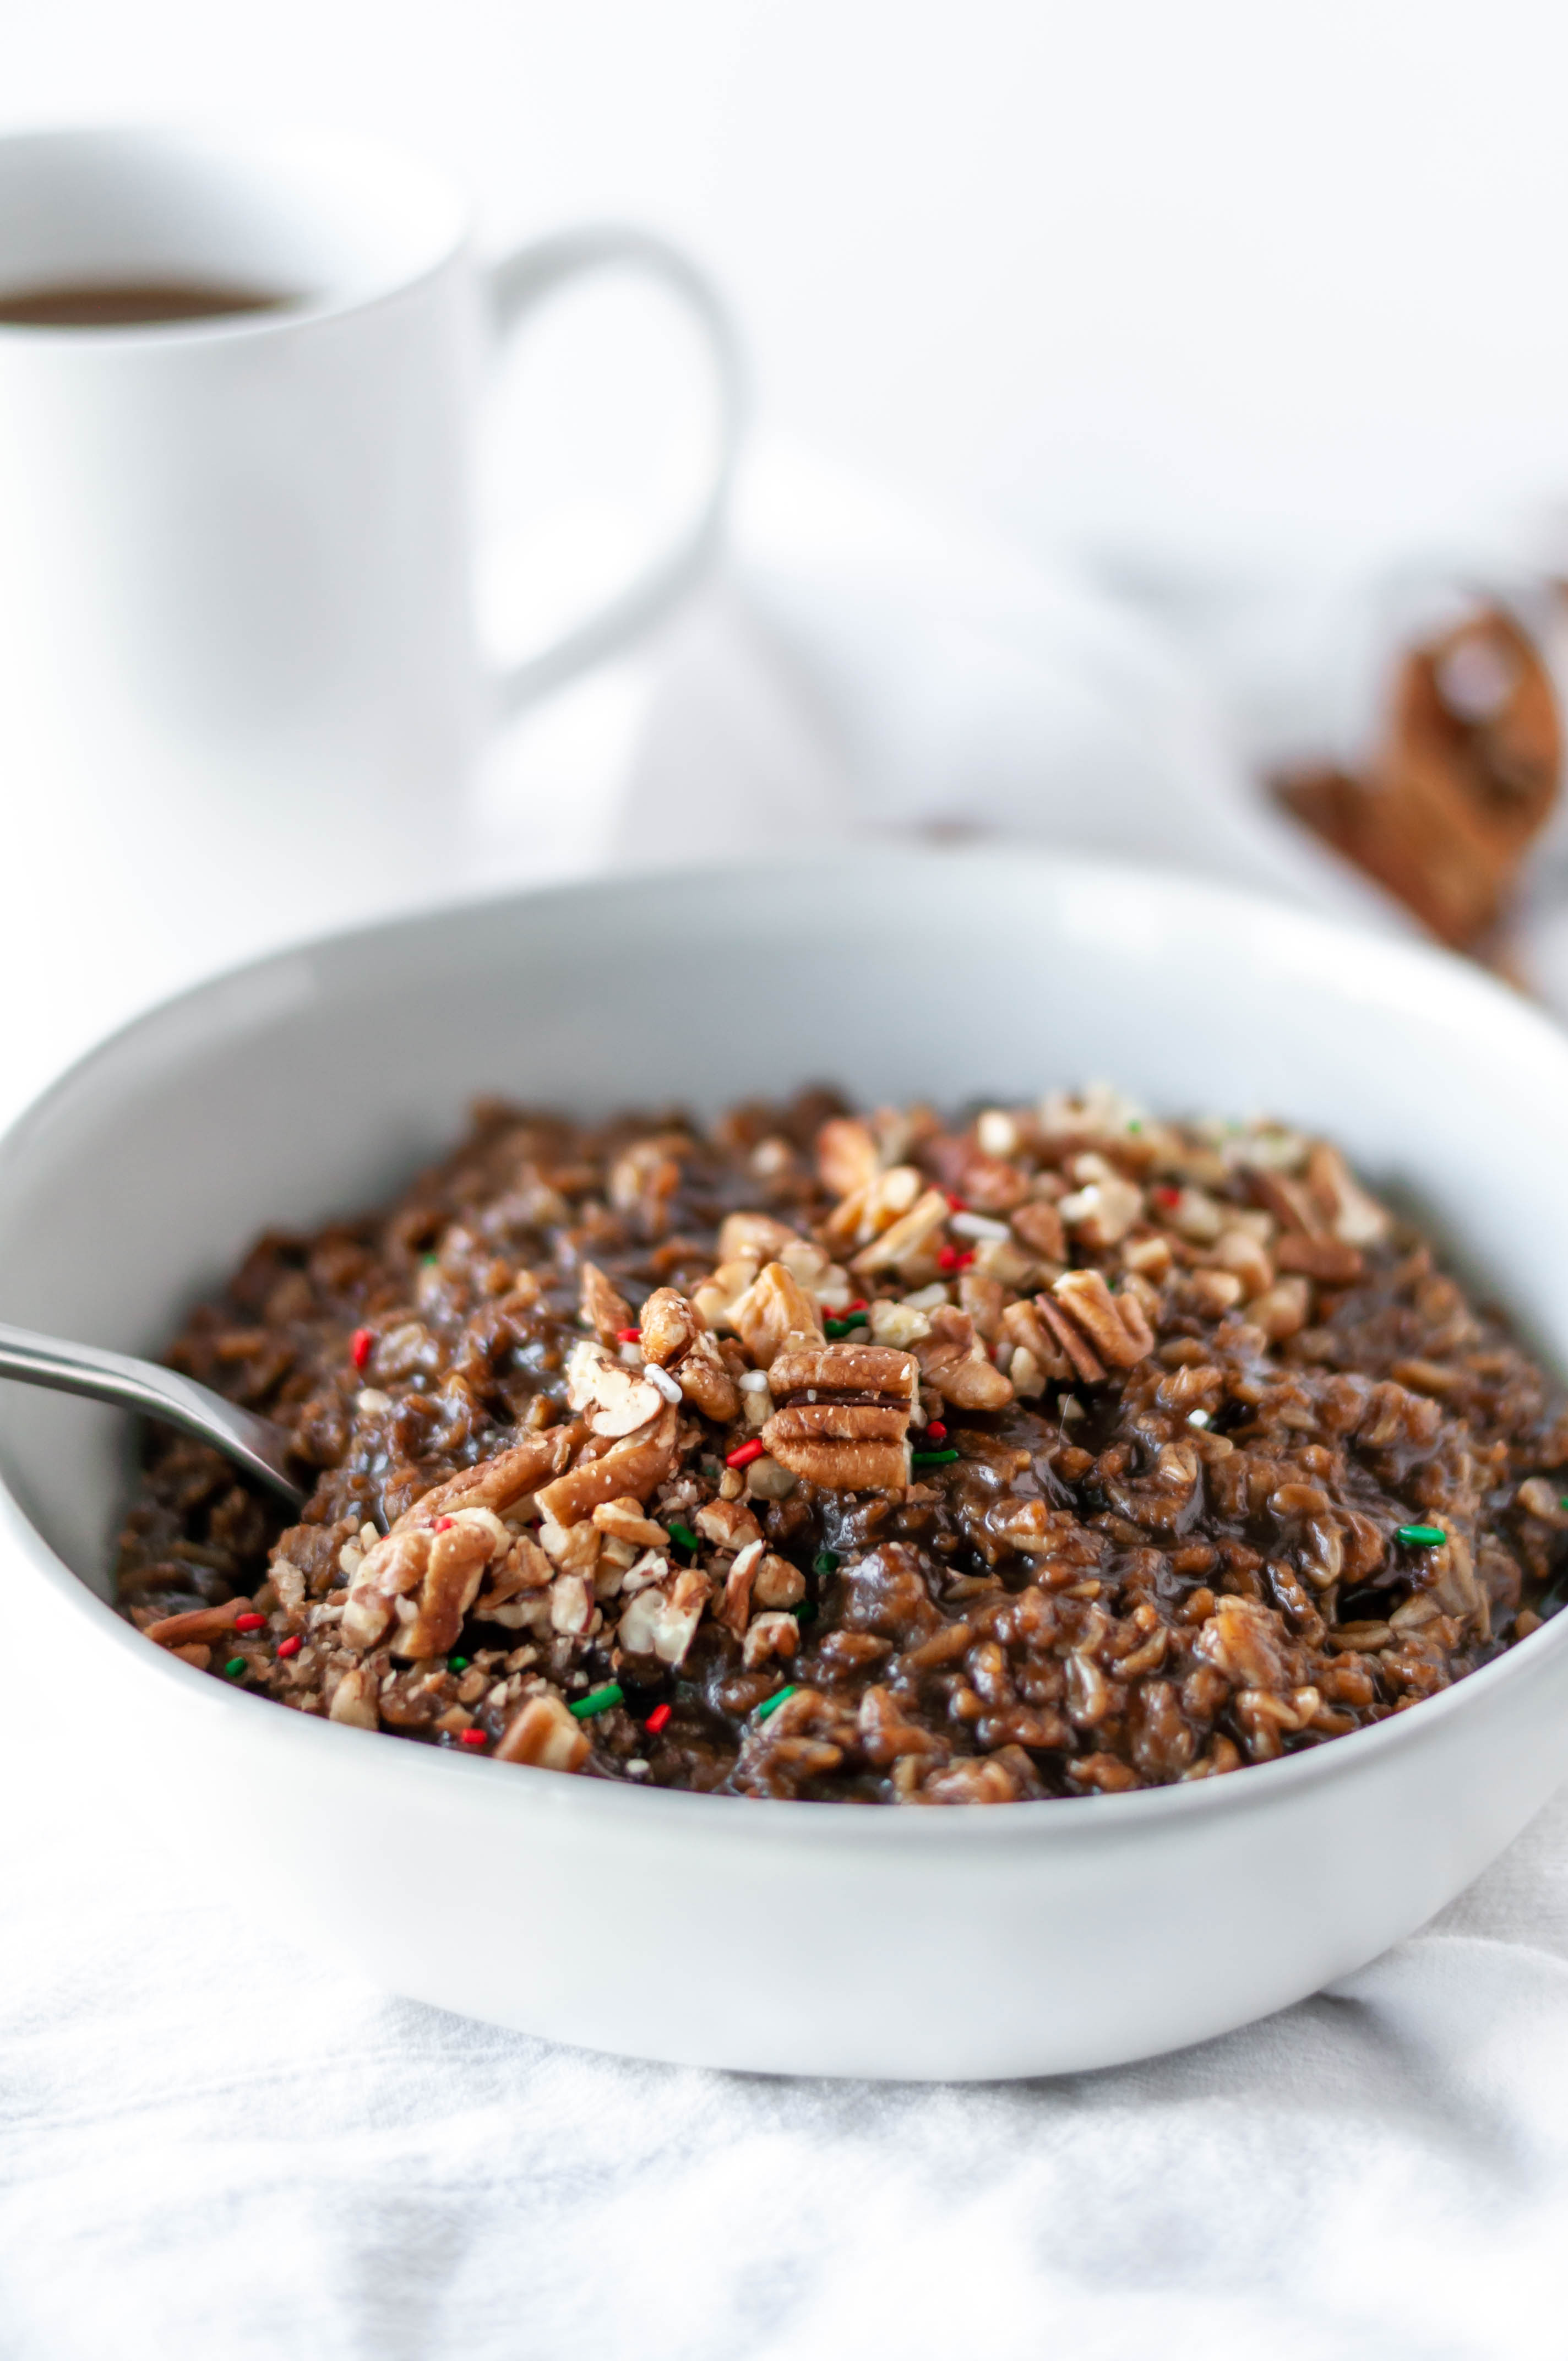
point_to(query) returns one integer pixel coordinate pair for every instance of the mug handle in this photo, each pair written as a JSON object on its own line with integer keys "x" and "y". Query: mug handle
{"x": 517, "y": 285}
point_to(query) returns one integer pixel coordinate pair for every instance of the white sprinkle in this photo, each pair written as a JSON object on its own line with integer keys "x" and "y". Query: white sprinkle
{"x": 636, "y": 1767}
{"x": 371, "y": 1400}
{"x": 753, "y": 1381}
{"x": 662, "y": 1381}
{"x": 977, "y": 1226}
{"x": 1197, "y": 1418}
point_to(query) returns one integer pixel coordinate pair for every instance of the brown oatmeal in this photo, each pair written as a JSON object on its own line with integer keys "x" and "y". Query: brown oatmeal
{"x": 1196, "y": 1380}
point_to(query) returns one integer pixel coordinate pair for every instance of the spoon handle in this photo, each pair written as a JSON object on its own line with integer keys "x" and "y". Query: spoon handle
{"x": 254, "y": 1443}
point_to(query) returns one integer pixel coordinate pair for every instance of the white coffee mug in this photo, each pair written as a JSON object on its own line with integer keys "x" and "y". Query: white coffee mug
{"x": 238, "y": 636}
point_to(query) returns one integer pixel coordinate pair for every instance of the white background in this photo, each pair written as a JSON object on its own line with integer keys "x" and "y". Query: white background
{"x": 1163, "y": 280}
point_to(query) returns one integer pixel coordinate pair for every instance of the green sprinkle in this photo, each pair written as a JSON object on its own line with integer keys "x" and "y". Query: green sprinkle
{"x": 805, "y": 1610}
{"x": 685, "y": 1535}
{"x": 597, "y": 1700}
{"x": 236, "y": 1665}
{"x": 1134, "y": 1124}
{"x": 427, "y": 1259}
{"x": 934, "y": 1458}
{"x": 458, "y": 1664}
{"x": 824, "y": 1561}
{"x": 1421, "y": 1536}
{"x": 843, "y": 1327}
{"x": 768, "y": 1704}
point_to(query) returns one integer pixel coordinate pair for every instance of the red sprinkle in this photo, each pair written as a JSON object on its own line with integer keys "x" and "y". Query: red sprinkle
{"x": 745, "y": 1455}
{"x": 441, "y": 1524}
{"x": 860, "y": 1304}
{"x": 656, "y": 1720}
{"x": 935, "y": 1431}
{"x": 249, "y": 1622}
{"x": 628, "y": 1335}
{"x": 287, "y": 1648}
{"x": 956, "y": 1204}
{"x": 1166, "y": 1195}
{"x": 361, "y": 1344}
{"x": 475, "y": 1736}
{"x": 949, "y": 1258}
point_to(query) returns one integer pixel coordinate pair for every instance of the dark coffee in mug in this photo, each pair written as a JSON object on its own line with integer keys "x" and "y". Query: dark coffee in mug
{"x": 145, "y": 303}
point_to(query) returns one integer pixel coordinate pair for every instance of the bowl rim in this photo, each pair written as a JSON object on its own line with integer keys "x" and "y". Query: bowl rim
{"x": 1421, "y": 967}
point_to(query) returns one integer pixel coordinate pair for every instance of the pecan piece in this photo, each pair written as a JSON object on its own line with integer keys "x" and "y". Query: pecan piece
{"x": 908, "y": 1237}
{"x": 662, "y": 1618}
{"x": 727, "y": 1524}
{"x": 1116, "y": 1326}
{"x": 197, "y": 1623}
{"x": 673, "y": 1337}
{"x": 604, "y": 1308}
{"x": 354, "y": 1700}
{"x": 628, "y": 1470}
{"x": 953, "y": 1361}
{"x": 424, "y": 1579}
{"x": 843, "y": 1416}
{"x": 1327, "y": 1259}
{"x": 847, "y": 1157}
{"x": 774, "y": 1309}
{"x": 614, "y": 1399}
{"x": 1040, "y": 1225}
{"x": 544, "y": 1734}
{"x": 1355, "y": 1218}
{"x": 499, "y": 1483}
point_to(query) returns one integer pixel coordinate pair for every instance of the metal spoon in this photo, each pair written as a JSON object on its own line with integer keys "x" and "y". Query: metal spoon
{"x": 254, "y": 1445}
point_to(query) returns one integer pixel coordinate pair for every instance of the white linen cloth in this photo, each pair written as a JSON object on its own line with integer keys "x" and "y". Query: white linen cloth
{"x": 215, "y": 2144}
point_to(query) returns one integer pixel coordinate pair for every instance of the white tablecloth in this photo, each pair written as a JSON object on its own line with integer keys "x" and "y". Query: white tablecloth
{"x": 216, "y": 2145}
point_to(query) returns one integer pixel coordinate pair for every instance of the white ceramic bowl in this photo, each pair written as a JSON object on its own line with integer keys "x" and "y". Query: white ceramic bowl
{"x": 793, "y": 1936}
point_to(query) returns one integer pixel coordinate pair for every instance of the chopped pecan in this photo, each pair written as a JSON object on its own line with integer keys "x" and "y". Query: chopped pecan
{"x": 770, "y": 1635}
{"x": 1104, "y": 1207}
{"x": 198, "y": 1623}
{"x": 954, "y": 1363}
{"x": 727, "y": 1524}
{"x": 624, "y": 1522}
{"x": 524, "y": 1567}
{"x": 734, "y": 1611}
{"x": 499, "y": 1483}
{"x": 847, "y": 1157}
{"x": 628, "y": 1469}
{"x": 988, "y": 1184}
{"x": 777, "y": 1583}
{"x": 1239, "y": 1250}
{"x": 844, "y": 1416}
{"x": 1281, "y": 1310}
{"x": 873, "y": 1207}
{"x": 1023, "y": 1328}
{"x": 544, "y": 1734}
{"x": 1039, "y": 1225}
{"x": 774, "y": 1310}
{"x": 662, "y": 1620}
{"x": 908, "y": 1237}
{"x": 671, "y": 1325}
{"x": 715, "y": 1298}
{"x": 758, "y": 1236}
{"x": 353, "y": 1701}
{"x": 1355, "y": 1218}
{"x": 1328, "y": 1260}
{"x": 1114, "y": 1327}
{"x": 606, "y": 1310}
{"x": 614, "y": 1399}
{"x": 673, "y": 1337}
